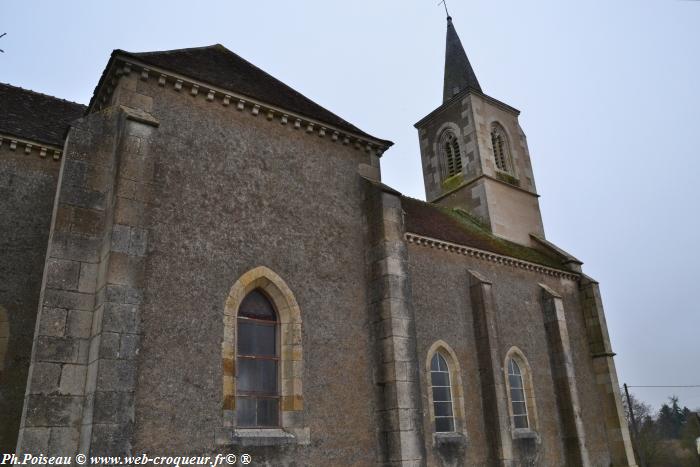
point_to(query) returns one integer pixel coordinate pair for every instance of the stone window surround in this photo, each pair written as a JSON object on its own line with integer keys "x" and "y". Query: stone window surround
{"x": 291, "y": 428}
{"x": 447, "y": 127}
{"x": 450, "y": 160}
{"x": 509, "y": 156}
{"x": 459, "y": 435}
{"x": 529, "y": 390}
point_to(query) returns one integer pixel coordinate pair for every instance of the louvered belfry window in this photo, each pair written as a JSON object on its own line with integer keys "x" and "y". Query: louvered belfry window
{"x": 257, "y": 363}
{"x": 500, "y": 148}
{"x": 451, "y": 154}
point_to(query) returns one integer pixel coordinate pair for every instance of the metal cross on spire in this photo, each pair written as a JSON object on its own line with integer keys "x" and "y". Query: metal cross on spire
{"x": 444, "y": 3}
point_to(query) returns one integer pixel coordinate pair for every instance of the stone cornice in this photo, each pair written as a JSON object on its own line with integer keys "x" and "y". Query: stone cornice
{"x": 488, "y": 256}
{"x": 460, "y": 96}
{"x": 29, "y": 146}
{"x": 180, "y": 83}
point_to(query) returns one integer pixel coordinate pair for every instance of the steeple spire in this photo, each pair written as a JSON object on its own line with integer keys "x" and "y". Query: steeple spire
{"x": 459, "y": 74}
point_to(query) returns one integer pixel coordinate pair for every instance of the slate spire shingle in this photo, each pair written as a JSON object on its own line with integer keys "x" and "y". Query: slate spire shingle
{"x": 459, "y": 74}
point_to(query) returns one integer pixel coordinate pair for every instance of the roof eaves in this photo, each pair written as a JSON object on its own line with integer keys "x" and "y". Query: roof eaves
{"x": 129, "y": 57}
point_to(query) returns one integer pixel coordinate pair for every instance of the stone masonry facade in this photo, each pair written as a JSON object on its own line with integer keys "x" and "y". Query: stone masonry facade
{"x": 175, "y": 196}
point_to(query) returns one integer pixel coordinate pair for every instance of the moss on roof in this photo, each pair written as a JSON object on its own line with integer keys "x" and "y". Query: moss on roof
{"x": 457, "y": 226}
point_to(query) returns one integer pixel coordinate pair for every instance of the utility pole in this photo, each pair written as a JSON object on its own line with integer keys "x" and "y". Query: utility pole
{"x": 634, "y": 427}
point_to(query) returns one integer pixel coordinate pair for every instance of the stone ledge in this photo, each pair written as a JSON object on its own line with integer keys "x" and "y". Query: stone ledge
{"x": 257, "y": 437}
{"x": 526, "y": 433}
{"x": 449, "y": 439}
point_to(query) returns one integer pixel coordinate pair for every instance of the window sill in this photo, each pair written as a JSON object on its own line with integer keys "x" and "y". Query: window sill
{"x": 257, "y": 437}
{"x": 449, "y": 438}
{"x": 525, "y": 433}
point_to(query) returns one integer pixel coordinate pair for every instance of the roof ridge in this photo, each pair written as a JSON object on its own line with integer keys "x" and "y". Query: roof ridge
{"x": 152, "y": 52}
{"x": 42, "y": 94}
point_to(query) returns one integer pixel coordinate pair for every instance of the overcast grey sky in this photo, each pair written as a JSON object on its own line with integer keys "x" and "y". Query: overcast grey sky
{"x": 608, "y": 92}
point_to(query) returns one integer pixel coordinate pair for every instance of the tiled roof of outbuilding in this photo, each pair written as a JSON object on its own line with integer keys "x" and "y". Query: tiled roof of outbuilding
{"x": 34, "y": 116}
{"x": 452, "y": 226}
{"x": 222, "y": 68}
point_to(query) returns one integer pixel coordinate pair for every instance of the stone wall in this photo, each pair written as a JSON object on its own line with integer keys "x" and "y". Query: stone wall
{"x": 446, "y": 308}
{"x": 27, "y": 191}
{"x": 234, "y": 191}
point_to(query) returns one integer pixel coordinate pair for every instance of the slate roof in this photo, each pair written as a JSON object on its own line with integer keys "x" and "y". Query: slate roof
{"x": 222, "y": 68}
{"x": 459, "y": 74}
{"x": 453, "y": 226}
{"x": 34, "y": 116}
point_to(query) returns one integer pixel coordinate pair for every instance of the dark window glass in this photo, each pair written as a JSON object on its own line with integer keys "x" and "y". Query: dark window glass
{"x": 256, "y": 305}
{"x": 444, "y": 424}
{"x": 268, "y": 412}
{"x": 520, "y": 421}
{"x": 443, "y": 409}
{"x": 257, "y": 390}
{"x": 517, "y": 395}
{"x": 440, "y": 379}
{"x": 442, "y": 393}
{"x": 255, "y": 338}
{"x": 245, "y": 411}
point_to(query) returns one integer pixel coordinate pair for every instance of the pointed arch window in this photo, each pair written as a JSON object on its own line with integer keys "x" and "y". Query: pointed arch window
{"x": 442, "y": 394}
{"x": 451, "y": 154}
{"x": 257, "y": 362}
{"x": 517, "y": 395}
{"x": 501, "y": 151}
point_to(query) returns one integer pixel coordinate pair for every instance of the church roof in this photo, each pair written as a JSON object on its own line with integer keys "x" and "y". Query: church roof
{"x": 218, "y": 66}
{"x": 34, "y": 116}
{"x": 458, "y": 227}
{"x": 459, "y": 74}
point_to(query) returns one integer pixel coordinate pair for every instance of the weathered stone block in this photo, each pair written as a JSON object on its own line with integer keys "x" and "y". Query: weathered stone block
{"x": 56, "y": 349}
{"x": 62, "y": 274}
{"x": 126, "y": 270}
{"x": 79, "y": 324}
{"x": 113, "y": 407}
{"x": 134, "y": 295}
{"x": 73, "y": 380}
{"x": 116, "y": 375}
{"x": 115, "y": 293}
{"x": 35, "y": 441}
{"x": 88, "y": 222}
{"x": 129, "y": 346}
{"x": 74, "y": 172}
{"x": 120, "y": 238}
{"x": 63, "y": 441}
{"x": 88, "y": 277}
{"x": 81, "y": 197}
{"x": 111, "y": 440}
{"x": 138, "y": 242}
{"x": 109, "y": 344}
{"x": 66, "y": 299}
{"x": 45, "y": 377}
{"x": 52, "y": 322}
{"x": 120, "y": 318}
{"x": 52, "y": 410}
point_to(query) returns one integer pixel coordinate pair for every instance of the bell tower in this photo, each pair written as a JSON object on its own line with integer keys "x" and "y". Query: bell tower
{"x": 474, "y": 154}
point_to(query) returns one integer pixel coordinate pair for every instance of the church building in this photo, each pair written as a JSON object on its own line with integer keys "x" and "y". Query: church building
{"x": 203, "y": 261}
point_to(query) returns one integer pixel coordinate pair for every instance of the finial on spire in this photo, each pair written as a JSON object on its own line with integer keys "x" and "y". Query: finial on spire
{"x": 444, "y": 3}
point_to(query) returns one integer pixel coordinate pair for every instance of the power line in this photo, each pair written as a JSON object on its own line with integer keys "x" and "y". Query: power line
{"x": 680, "y": 386}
